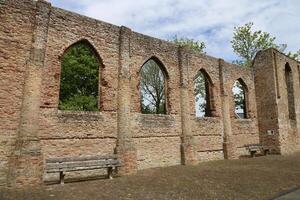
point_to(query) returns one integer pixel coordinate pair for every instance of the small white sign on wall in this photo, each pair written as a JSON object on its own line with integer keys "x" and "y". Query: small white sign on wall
{"x": 270, "y": 132}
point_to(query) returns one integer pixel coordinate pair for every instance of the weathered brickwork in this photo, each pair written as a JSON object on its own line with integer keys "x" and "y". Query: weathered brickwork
{"x": 12, "y": 72}
{"x": 276, "y": 128}
{"x": 33, "y": 38}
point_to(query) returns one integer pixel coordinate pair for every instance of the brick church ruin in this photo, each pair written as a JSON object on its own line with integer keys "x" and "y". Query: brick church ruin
{"x": 33, "y": 38}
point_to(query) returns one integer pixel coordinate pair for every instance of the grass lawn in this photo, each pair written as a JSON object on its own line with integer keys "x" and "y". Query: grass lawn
{"x": 248, "y": 178}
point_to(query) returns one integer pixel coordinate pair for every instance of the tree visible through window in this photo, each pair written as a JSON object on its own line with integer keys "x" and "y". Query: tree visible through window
{"x": 239, "y": 95}
{"x": 202, "y": 90}
{"x": 152, "y": 88}
{"x": 79, "y": 78}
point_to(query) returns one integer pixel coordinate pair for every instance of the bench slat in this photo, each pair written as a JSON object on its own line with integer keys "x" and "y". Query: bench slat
{"x": 82, "y": 164}
{"x": 80, "y": 168}
{"x": 85, "y": 158}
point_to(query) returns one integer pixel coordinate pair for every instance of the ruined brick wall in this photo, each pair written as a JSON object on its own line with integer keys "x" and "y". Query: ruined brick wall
{"x": 39, "y": 34}
{"x": 157, "y": 138}
{"x": 68, "y": 133}
{"x": 244, "y": 130}
{"x": 288, "y": 128}
{"x": 79, "y": 133}
{"x": 276, "y": 128}
{"x": 16, "y": 29}
{"x": 266, "y": 96}
{"x": 207, "y": 131}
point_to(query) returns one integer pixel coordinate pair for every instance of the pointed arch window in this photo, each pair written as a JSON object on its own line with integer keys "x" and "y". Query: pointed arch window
{"x": 153, "y": 87}
{"x": 290, "y": 91}
{"x": 239, "y": 91}
{"x": 79, "y": 80}
{"x": 203, "y": 94}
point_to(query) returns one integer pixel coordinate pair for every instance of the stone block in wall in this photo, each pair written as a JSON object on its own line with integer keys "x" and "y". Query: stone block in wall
{"x": 158, "y": 152}
{"x": 210, "y": 155}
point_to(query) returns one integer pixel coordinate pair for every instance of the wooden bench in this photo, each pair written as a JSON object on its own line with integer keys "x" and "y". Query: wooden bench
{"x": 254, "y": 148}
{"x": 68, "y": 164}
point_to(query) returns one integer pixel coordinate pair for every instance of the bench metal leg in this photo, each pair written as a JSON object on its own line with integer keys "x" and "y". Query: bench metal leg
{"x": 109, "y": 172}
{"x": 252, "y": 153}
{"x": 62, "y": 178}
{"x": 266, "y": 152}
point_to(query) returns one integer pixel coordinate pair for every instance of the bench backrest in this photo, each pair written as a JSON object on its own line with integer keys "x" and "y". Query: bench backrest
{"x": 81, "y": 163}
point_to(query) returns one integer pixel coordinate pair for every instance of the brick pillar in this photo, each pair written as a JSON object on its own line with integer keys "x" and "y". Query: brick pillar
{"x": 26, "y": 161}
{"x": 125, "y": 145}
{"x": 229, "y": 147}
{"x": 188, "y": 151}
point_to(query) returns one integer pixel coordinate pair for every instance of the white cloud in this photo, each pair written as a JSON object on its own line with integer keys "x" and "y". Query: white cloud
{"x": 210, "y": 21}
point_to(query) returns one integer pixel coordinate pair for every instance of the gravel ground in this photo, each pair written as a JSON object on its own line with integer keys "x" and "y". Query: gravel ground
{"x": 248, "y": 178}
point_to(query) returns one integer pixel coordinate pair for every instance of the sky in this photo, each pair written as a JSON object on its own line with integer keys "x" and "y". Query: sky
{"x": 211, "y": 21}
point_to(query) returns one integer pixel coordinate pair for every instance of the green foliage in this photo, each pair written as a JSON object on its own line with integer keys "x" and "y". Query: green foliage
{"x": 200, "y": 84}
{"x": 79, "y": 79}
{"x": 200, "y": 94}
{"x": 239, "y": 98}
{"x": 190, "y": 43}
{"x": 152, "y": 89}
{"x": 246, "y": 43}
{"x": 80, "y": 103}
{"x": 295, "y": 56}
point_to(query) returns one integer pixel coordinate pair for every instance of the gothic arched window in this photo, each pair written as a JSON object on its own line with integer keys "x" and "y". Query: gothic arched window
{"x": 153, "y": 87}
{"x": 290, "y": 91}
{"x": 239, "y": 91}
{"x": 203, "y": 94}
{"x": 79, "y": 81}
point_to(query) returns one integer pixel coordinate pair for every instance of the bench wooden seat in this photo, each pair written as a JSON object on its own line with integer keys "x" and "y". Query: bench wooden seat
{"x": 254, "y": 148}
{"x": 68, "y": 164}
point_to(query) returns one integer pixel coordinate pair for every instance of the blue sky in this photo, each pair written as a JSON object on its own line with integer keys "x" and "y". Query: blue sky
{"x": 211, "y": 21}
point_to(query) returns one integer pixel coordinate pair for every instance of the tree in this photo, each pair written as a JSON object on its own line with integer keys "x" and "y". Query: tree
{"x": 238, "y": 91}
{"x": 200, "y": 93}
{"x": 246, "y": 43}
{"x": 295, "y": 56}
{"x": 190, "y": 43}
{"x": 152, "y": 88}
{"x": 79, "y": 79}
